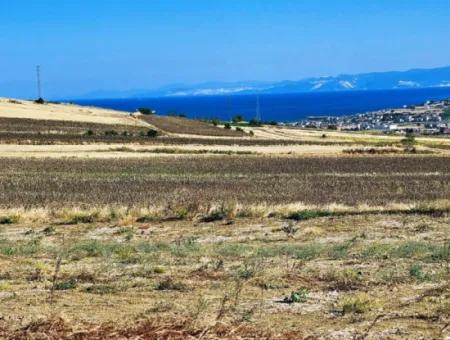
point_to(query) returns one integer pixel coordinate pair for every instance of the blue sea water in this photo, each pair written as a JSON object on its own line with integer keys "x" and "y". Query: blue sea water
{"x": 277, "y": 107}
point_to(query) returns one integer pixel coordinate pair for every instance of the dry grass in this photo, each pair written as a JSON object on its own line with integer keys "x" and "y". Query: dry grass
{"x": 65, "y": 112}
{"x": 183, "y": 278}
{"x": 248, "y": 179}
{"x": 221, "y": 246}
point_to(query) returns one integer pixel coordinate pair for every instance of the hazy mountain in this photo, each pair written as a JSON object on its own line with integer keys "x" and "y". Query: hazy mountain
{"x": 416, "y": 78}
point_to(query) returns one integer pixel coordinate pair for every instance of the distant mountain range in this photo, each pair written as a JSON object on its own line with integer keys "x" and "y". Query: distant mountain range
{"x": 416, "y": 78}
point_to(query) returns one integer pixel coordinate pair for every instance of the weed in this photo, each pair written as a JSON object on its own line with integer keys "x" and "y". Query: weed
{"x": 170, "y": 284}
{"x": 297, "y": 296}
{"x": 11, "y": 219}
{"x": 355, "y": 304}
{"x": 66, "y": 285}
{"x": 289, "y": 229}
{"x": 159, "y": 270}
{"x": 416, "y": 272}
{"x": 233, "y": 250}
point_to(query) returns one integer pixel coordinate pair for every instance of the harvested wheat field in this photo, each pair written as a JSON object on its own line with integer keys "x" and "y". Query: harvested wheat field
{"x": 23, "y": 109}
{"x": 115, "y": 229}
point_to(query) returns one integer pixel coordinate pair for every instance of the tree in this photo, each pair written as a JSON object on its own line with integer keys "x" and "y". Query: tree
{"x": 409, "y": 140}
{"x": 237, "y": 119}
{"x": 145, "y": 111}
{"x": 254, "y": 122}
{"x": 152, "y": 133}
{"x": 227, "y": 126}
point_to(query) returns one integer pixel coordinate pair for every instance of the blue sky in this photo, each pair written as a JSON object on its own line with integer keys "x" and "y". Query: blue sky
{"x": 88, "y": 45}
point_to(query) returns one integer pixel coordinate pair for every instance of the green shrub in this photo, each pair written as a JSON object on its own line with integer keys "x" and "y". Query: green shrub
{"x": 409, "y": 140}
{"x": 10, "y": 219}
{"x": 254, "y": 122}
{"x": 300, "y": 295}
{"x": 145, "y": 111}
{"x": 66, "y": 285}
{"x": 111, "y": 133}
{"x": 152, "y": 133}
{"x": 227, "y": 126}
{"x": 416, "y": 272}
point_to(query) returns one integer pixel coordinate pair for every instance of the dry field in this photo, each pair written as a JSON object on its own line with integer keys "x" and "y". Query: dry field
{"x": 180, "y": 125}
{"x": 22, "y": 109}
{"x": 284, "y": 235}
{"x": 245, "y": 179}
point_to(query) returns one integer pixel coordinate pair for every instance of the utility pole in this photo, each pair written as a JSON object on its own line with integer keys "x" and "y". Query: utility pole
{"x": 258, "y": 113}
{"x": 38, "y": 75}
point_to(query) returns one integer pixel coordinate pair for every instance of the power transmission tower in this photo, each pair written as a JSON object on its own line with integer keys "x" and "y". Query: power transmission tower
{"x": 38, "y": 75}
{"x": 258, "y": 111}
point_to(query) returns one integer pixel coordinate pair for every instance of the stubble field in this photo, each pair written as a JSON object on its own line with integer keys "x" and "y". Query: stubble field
{"x": 289, "y": 234}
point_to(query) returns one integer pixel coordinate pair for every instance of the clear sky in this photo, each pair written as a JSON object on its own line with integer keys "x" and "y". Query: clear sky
{"x": 88, "y": 45}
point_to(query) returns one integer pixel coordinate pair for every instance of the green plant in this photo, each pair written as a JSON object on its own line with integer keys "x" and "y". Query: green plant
{"x": 145, "y": 111}
{"x": 297, "y": 296}
{"x": 66, "y": 285}
{"x": 152, "y": 133}
{"x": 227, "y": 126}
{"x": 416, "y": 272}
{"x": 111, "y": 133}
{"x": 237, "y": 119}
{"x": 254, "y": 122}
{"x": 409, "y": 140}
{"x": 159, "y": 270}
{"x": 11, "y": 219}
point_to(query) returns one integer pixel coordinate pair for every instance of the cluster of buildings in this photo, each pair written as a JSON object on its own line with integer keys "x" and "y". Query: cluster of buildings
{"x": 431, "y": 118}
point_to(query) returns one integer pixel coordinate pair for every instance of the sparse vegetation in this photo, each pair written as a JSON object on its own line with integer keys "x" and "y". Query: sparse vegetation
{"x": 202, "y": 243}
{"x": 145, "y": 111}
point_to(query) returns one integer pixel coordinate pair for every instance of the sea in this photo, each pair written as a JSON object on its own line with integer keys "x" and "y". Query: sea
{"x": 276, "y": 107}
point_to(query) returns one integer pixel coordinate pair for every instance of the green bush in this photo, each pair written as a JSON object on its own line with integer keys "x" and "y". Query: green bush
{"x": 152, "y": 133}
{"x": 300, "y": 295}
{"x": 66, "y": 285}
{"x": 145, "y": 111}
{"x": 10, "y": 219}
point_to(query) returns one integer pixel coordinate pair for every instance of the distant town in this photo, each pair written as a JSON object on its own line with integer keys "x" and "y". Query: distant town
{"x": 429, "y": 118}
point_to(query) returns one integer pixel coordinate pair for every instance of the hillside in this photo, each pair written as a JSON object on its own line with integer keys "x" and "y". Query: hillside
{"x": 415, "y": 78}
{"x": 27, "y": 117}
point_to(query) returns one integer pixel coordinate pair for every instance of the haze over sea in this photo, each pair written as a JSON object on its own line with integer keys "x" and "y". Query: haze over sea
{"x": 277, "y": 107}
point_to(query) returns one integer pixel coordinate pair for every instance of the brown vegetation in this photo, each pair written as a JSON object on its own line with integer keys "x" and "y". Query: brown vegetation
{"x": 173, "y": 124}
{"x": 223, "y": 179}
